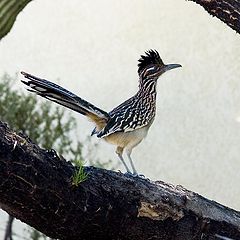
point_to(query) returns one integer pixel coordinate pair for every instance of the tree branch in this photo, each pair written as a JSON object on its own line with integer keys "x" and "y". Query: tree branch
{"x": 36, "y": 187}
{"x": 226, "y": 10}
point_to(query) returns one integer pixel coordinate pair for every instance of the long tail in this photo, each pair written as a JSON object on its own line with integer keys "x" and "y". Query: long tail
{"x": 62, "y": 96}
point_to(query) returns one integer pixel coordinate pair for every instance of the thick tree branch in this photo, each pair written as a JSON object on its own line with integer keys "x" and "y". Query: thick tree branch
{"x": 226, "y": 10}
{"x": 36, "y": 187}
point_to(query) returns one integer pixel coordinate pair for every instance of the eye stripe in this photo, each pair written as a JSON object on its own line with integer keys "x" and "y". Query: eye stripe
{"x": 149, "y": 69}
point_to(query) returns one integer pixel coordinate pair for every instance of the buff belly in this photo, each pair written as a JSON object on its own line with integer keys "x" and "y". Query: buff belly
{"x": 127, "y": 139}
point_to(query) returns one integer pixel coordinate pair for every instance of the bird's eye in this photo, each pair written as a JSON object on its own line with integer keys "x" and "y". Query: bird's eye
{"x": 150, "y": 71}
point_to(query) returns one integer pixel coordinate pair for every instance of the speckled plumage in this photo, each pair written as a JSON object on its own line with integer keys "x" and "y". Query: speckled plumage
{"x": 127, "y": 124}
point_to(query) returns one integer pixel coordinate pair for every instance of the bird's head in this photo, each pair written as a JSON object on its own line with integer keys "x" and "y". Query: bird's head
{"x": 151, "y": 66}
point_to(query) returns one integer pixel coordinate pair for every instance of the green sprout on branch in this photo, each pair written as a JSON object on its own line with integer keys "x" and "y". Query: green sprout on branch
{"x": 79, "y": 175}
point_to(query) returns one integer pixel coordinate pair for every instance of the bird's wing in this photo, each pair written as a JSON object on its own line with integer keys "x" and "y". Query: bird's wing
{"x": 127, "y": 117}
{"x": 63, "y": 97}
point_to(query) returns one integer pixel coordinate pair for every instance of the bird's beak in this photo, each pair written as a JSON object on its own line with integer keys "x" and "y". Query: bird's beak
{"x": 171, "y": 66}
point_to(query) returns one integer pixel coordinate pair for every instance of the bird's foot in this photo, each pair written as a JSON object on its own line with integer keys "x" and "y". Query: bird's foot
{"x": 134, "y": 174}
{"x": 129, "y": 174}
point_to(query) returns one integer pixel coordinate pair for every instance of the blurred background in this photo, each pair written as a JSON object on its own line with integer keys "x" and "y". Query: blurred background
{"x": 92, "y": 48}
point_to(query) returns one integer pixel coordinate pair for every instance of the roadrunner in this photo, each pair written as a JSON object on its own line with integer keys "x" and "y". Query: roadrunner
{"x": 127, "y": 124}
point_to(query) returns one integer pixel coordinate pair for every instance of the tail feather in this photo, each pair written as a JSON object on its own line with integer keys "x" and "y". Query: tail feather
{"x": 63, "y": 97}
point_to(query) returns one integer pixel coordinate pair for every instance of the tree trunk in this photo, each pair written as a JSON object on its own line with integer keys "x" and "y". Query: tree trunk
{"x": 226, "y": 10}
{"x": 36, "y": 187}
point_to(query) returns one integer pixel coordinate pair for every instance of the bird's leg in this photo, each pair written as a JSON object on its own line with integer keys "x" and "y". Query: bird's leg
{"x": 128, "y": 151}
{"x": 119, "y": 152}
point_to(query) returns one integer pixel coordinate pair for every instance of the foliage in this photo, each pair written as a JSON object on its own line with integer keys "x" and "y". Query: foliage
{"x": 79, "y": 176}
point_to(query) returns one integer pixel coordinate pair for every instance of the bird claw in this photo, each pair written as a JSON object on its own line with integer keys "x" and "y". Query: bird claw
{"x": 129, "y": 174}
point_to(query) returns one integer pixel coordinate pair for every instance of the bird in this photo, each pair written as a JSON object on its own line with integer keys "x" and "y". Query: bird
{"x": 127, "y": 124}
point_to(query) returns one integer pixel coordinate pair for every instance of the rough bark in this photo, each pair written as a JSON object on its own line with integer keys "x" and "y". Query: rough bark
{"x": 36, "y": 187}
{"x": 226, "y": 10}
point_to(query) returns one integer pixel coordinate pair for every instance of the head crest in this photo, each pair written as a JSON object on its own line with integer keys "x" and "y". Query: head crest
{"x": 151, "y": 57}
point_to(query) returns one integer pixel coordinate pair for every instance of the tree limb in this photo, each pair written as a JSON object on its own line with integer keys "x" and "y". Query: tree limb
{"x": 36, "y": 187}
{"x": 226, "y": 10}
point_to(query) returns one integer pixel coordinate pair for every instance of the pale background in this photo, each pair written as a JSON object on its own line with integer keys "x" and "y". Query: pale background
{"x": 93, "y": 48}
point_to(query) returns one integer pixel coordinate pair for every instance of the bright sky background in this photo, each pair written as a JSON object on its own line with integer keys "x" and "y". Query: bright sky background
{"x": 92, "y": 48}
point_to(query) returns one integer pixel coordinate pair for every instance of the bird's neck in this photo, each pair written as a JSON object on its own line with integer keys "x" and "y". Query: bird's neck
{"x": 148, "y": 88}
